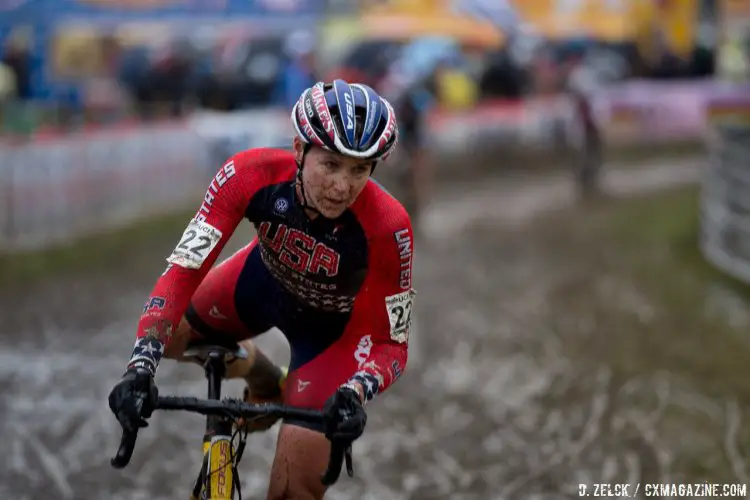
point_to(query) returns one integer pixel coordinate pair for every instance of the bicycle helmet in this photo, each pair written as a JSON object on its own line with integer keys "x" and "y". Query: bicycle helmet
{"x": 350, "y": 119}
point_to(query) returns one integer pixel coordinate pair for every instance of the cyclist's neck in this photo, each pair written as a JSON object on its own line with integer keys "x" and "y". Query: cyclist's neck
{"x": 312, "y": 214}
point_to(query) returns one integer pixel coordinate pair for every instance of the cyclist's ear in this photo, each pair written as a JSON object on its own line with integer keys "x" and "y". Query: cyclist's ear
{"x": 299, "y": 149}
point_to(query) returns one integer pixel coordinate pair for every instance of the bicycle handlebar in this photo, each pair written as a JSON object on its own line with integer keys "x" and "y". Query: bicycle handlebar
{"x": 340, "y": 451}
{"x": 236, "y": 408}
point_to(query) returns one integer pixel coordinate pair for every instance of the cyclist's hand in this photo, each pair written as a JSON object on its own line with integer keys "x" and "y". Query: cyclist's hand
{"x": 133, "y": 399}
{"x": 344, "y": 417}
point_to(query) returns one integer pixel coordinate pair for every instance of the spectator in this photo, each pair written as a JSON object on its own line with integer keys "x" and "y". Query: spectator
{"x": 581, "y": 82}
{"x": 7, "y": 83}
{"x": 171, "y": 66}
{"x": 454, "y": 87}
{"x": 133, "y": 74}
{"x": 16, "y": 57}
{"x": 300, "y": 72}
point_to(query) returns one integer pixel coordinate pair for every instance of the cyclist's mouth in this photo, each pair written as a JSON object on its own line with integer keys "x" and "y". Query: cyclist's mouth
{"x": 334, "y": 202}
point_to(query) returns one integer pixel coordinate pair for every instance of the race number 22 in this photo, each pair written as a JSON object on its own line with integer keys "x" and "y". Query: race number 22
{"x": 195, "y": 245}
{"x": 399, "y": 308}
{"x": 203, "y": 243}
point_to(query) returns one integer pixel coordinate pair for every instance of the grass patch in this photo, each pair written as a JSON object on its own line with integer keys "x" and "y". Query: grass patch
{"x": 636, "y": 153}
{"x": 92, "y": 253}
{"x": 485, "y": 157}
{"x": 669, "y": 221}
{"x": 640, "y": 299}
{"x": 643, "y": 279}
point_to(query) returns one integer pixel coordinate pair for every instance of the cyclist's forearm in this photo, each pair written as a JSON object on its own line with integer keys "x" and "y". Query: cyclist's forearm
{"x": 161, "y": 316}
{"x": 222, "y": 209}
{"x": 385, "y": 364}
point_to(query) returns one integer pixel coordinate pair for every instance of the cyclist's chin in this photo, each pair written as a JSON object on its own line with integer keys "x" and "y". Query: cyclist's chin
{"x": 331, "y": 210}
{"x": 331, "y": 213}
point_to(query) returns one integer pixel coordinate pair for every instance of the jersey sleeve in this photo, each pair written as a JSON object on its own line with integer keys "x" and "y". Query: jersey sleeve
{"x": 384, "y": 306}
{"x": 221, "y": 211}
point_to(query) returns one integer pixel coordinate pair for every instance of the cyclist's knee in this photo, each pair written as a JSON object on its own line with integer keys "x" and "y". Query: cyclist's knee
{"x": 301, "y": 459}
{"x": 181, "y": 337}
{"x": 184, "y": 334}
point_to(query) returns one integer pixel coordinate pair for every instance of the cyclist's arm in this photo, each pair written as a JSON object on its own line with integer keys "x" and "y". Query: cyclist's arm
{"x": 385, "y": 304}
{"x": 222, "y": 209}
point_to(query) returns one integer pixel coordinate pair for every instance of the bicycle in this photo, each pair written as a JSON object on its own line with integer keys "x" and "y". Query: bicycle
{"x": 218, "y": 478}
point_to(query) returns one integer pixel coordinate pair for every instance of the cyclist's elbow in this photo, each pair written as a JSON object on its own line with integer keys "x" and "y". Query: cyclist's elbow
{"x": 398, "y": 365}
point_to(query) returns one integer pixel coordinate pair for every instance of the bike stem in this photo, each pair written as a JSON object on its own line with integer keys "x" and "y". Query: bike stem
{"x": 215, "y": 369}
{"x": 216, "y": 425}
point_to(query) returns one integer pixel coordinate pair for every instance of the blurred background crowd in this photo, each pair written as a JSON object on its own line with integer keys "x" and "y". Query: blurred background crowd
{"x": 67, "y": 63}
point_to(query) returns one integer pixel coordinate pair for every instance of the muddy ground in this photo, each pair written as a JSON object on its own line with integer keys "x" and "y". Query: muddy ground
{"x": 515, "y": 388}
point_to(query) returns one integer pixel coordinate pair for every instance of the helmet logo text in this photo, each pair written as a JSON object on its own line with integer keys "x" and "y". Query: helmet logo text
{"x": 389, "y": 129}
{"x": 349, "y": 111}
{"x": 319, "y": 101}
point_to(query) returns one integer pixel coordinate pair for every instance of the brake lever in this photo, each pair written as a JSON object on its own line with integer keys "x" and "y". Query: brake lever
{"x": 125, "y": 451}
{"x": 349, "y": 461}
{"x": 340, "y": 452}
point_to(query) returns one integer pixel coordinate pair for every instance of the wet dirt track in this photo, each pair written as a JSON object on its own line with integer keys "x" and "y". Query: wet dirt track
{"x": 489, "y": 408}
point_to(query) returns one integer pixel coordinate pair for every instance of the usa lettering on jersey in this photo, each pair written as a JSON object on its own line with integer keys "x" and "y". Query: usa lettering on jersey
{"x": 299, "y": 251}
{"x": 221, "y": 178}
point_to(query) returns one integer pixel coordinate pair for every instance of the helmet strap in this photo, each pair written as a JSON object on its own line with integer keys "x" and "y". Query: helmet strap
{"x": 303, "y": 202}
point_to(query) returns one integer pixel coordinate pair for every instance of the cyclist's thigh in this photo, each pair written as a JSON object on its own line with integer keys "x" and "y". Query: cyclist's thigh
{"x": 301, "y": 458}
{"x": 213, "y": 310}
{"x": 326, "y": 350}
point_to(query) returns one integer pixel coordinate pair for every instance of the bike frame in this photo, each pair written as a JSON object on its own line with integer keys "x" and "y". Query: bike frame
{"x": 216, "y": 479}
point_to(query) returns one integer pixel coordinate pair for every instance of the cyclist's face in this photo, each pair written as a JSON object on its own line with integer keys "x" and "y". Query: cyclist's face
{"x": 332, "y": 181}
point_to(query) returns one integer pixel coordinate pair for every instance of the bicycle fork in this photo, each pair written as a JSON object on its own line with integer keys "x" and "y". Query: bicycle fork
{"x": 216, "y": 479}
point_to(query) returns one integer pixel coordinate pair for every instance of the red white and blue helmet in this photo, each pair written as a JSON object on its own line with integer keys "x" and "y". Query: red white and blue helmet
{"x": 350, "y": 119}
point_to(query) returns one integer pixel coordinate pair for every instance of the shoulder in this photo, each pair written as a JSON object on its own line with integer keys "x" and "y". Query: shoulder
{"x": 379, "y": 213}
{"x": 270, "y": 165}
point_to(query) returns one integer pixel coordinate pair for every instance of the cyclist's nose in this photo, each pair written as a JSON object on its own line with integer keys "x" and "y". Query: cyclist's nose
{"x": 340, "y": 185}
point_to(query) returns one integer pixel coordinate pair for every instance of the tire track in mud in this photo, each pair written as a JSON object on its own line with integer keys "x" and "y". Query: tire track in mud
{"x": 490, "y": 407}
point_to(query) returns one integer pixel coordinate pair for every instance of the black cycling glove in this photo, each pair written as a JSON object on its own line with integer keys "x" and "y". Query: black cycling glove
{"x": 344, "y": 417}
{"x": 134, "y": 398}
